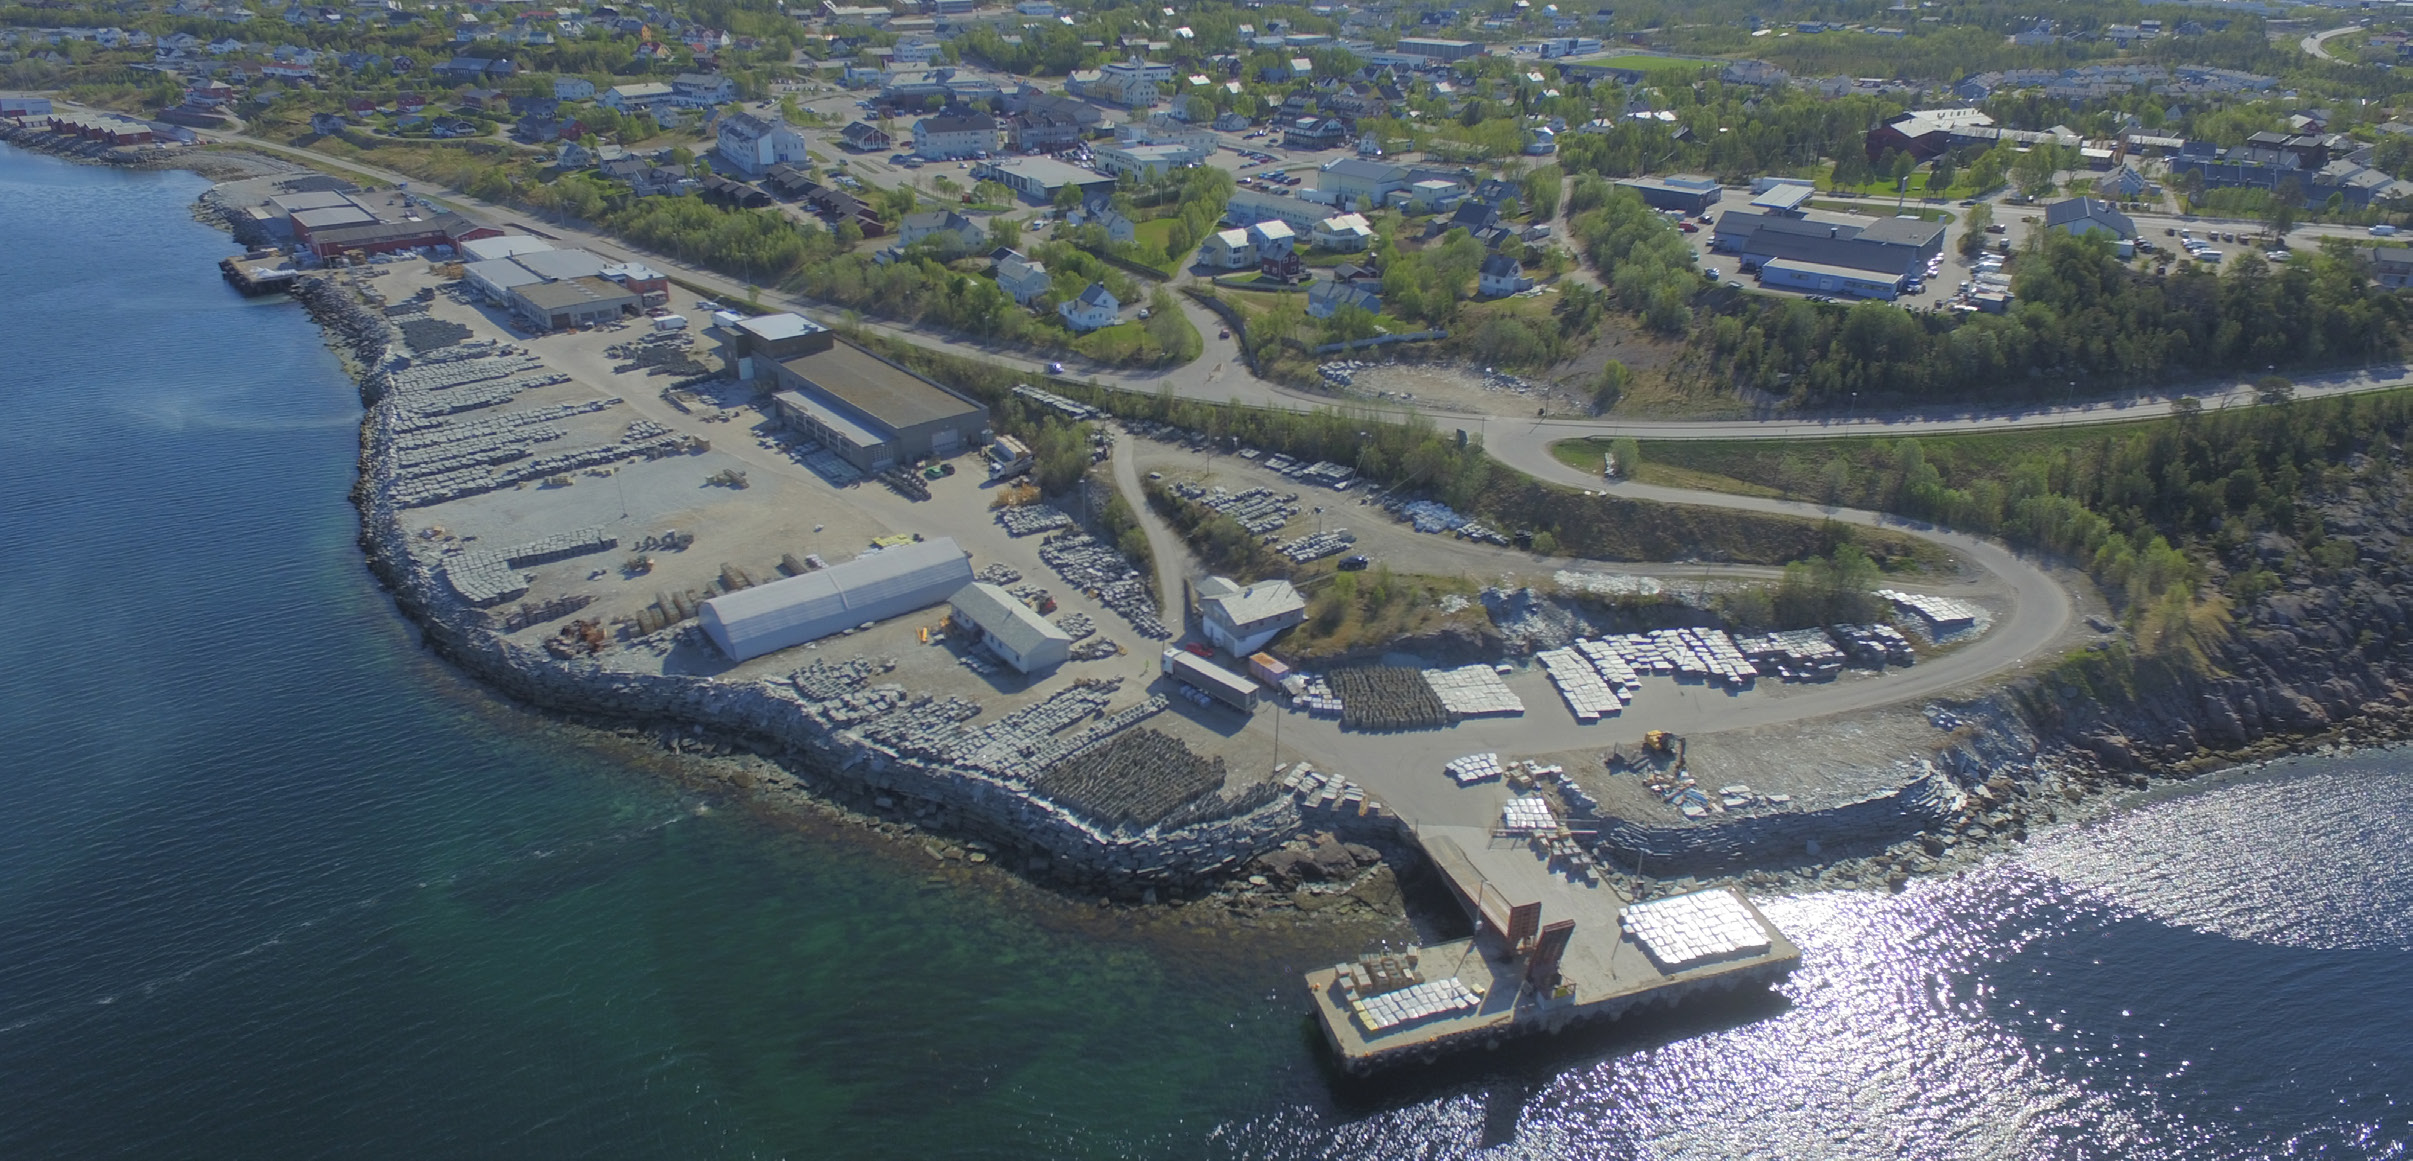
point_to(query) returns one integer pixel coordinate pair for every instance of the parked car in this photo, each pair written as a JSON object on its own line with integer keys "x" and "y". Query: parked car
{"x": 1995, "y": 227}
{"x": 1354, "y": 563}
{"x": 1055, "y": 368}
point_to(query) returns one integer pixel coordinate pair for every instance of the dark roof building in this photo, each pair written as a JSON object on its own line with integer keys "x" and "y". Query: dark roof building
{"x": 873, "y": 413}
{"x": 1897, "y": 247}
{"x": 2088, "y": 215}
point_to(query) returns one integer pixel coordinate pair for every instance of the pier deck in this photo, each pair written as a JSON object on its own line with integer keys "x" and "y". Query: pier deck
{"x": 1604, "y": 972}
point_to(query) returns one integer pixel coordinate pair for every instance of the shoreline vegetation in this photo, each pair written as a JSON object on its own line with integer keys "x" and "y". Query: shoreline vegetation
{"x": 2062, "y": 780}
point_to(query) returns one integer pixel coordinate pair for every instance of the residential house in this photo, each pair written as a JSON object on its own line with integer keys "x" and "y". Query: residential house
{"x": 1094, "y": 308}
{"x": 1343, "y": 232}
{"x": 1501, "y": 277}
{"x": 951, "y": 229}
{"x": 462, "y": 70}
{"x": 1099, "y": 212}
{"x": 753, "y": 143}
{"x": 649, "y": 97}
{"x": 2392, "y": 266}
{"x": 1315, "y": 133}
{"x": 573, "y": 88}
{"x": 864, "y": 137}
{"x": 702, "y": 90}
{"x": 1228, "y": 250}
{"x": 2081, "y": 216}
{"x": 1324, "y": 299}
{"x": 1022, "y": 279}
{"x": 1273, "y": 239}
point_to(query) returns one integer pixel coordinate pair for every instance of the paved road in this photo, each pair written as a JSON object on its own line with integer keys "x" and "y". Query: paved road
{"x": 2318, "y": 43}
{"x": 1404, "y": 769}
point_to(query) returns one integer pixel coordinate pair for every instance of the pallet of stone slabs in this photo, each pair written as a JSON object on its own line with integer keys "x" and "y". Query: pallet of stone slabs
{"x": 439, "y": 376}
{"x": 1386, "y": 697}
{"x": 1132, "y": 782}
{"x": 431, "y": 432}
{"x": 421, "y": 493}
{"x": 492, "y": 448}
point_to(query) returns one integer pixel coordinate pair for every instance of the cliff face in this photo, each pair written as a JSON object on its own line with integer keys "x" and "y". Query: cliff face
{"x": 2329, "y": 649}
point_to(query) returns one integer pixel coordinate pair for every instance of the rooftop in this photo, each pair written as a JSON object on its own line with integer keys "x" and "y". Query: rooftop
{"x": 772, "y": 328}
{"x": 1265, "y": 600}
{"x": 876, "y": 387}
{"x": 1002, "y": 616}
{"x": 571, "y": 292}
{"x": 555, "y": 265}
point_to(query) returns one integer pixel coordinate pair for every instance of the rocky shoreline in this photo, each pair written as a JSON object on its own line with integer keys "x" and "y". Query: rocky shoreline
{"x": 2028, "y": 757}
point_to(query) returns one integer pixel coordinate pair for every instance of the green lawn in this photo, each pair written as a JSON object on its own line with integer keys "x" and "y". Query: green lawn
{"x": 1884, "y": 187}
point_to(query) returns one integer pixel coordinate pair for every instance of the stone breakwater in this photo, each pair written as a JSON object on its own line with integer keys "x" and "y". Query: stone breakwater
{"x": 772, "y": 718}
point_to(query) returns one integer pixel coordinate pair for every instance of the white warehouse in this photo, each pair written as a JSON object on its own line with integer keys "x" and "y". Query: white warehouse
{"x": 1011, "y": 630}
{"x": 874, "y": 587}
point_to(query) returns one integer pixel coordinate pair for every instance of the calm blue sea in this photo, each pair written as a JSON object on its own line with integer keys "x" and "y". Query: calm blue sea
{"x": 273, "y": 883}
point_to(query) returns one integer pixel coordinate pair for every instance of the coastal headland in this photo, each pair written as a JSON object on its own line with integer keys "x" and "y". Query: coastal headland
{"x": 559, "y": 539}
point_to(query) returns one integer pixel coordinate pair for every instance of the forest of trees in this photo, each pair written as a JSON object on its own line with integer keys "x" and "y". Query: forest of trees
{"x": 2080, "y": 317}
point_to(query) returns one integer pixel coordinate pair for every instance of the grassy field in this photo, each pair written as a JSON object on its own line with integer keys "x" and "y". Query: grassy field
{"x": 1156, "y": 232}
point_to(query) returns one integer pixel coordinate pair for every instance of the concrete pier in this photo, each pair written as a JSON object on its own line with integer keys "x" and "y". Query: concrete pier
{"x": 1524, "y": 976}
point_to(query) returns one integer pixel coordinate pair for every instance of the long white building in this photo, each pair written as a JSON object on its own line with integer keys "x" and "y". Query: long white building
{"x": 890, "y": 583}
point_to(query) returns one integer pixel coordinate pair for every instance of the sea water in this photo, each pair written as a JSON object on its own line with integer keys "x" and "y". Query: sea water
{"x": 276, "y": 883}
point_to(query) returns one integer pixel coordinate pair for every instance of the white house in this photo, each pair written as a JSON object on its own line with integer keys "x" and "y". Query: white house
{"x": 1501, "y": 277}
{"x": 946, "y": 138}
{"x": 1243, "y": 620}
{"x": 1348, "y": 232}
{"x": 1103, "y": 215}
{"x": 1326, "y": 298}
{"x": 702, "y": 90}
{"x": 1434, "y": 195}
{"x": 754, "y": 144}
{"x": 644, "y": 98}
{"x": 1096, "y": 307}
{"x": 573, "y": 88}
{"x": 930, "y": 223}
{"x": 1022, "y": 278}
{"x": 1228, "y": 250}
{"x": 1273, "y": 239}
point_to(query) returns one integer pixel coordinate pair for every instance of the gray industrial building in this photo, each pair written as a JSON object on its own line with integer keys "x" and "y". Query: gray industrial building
{"x": 873, "y": 587}
{"x": 871, "y": 412}
{"x": 1038, "y": 178}
{"x": 1897, "y": 248}
{"x": 1013, "y": 631}
{"x": 573, "y": 302}
{"x": 1685, "y": 193}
